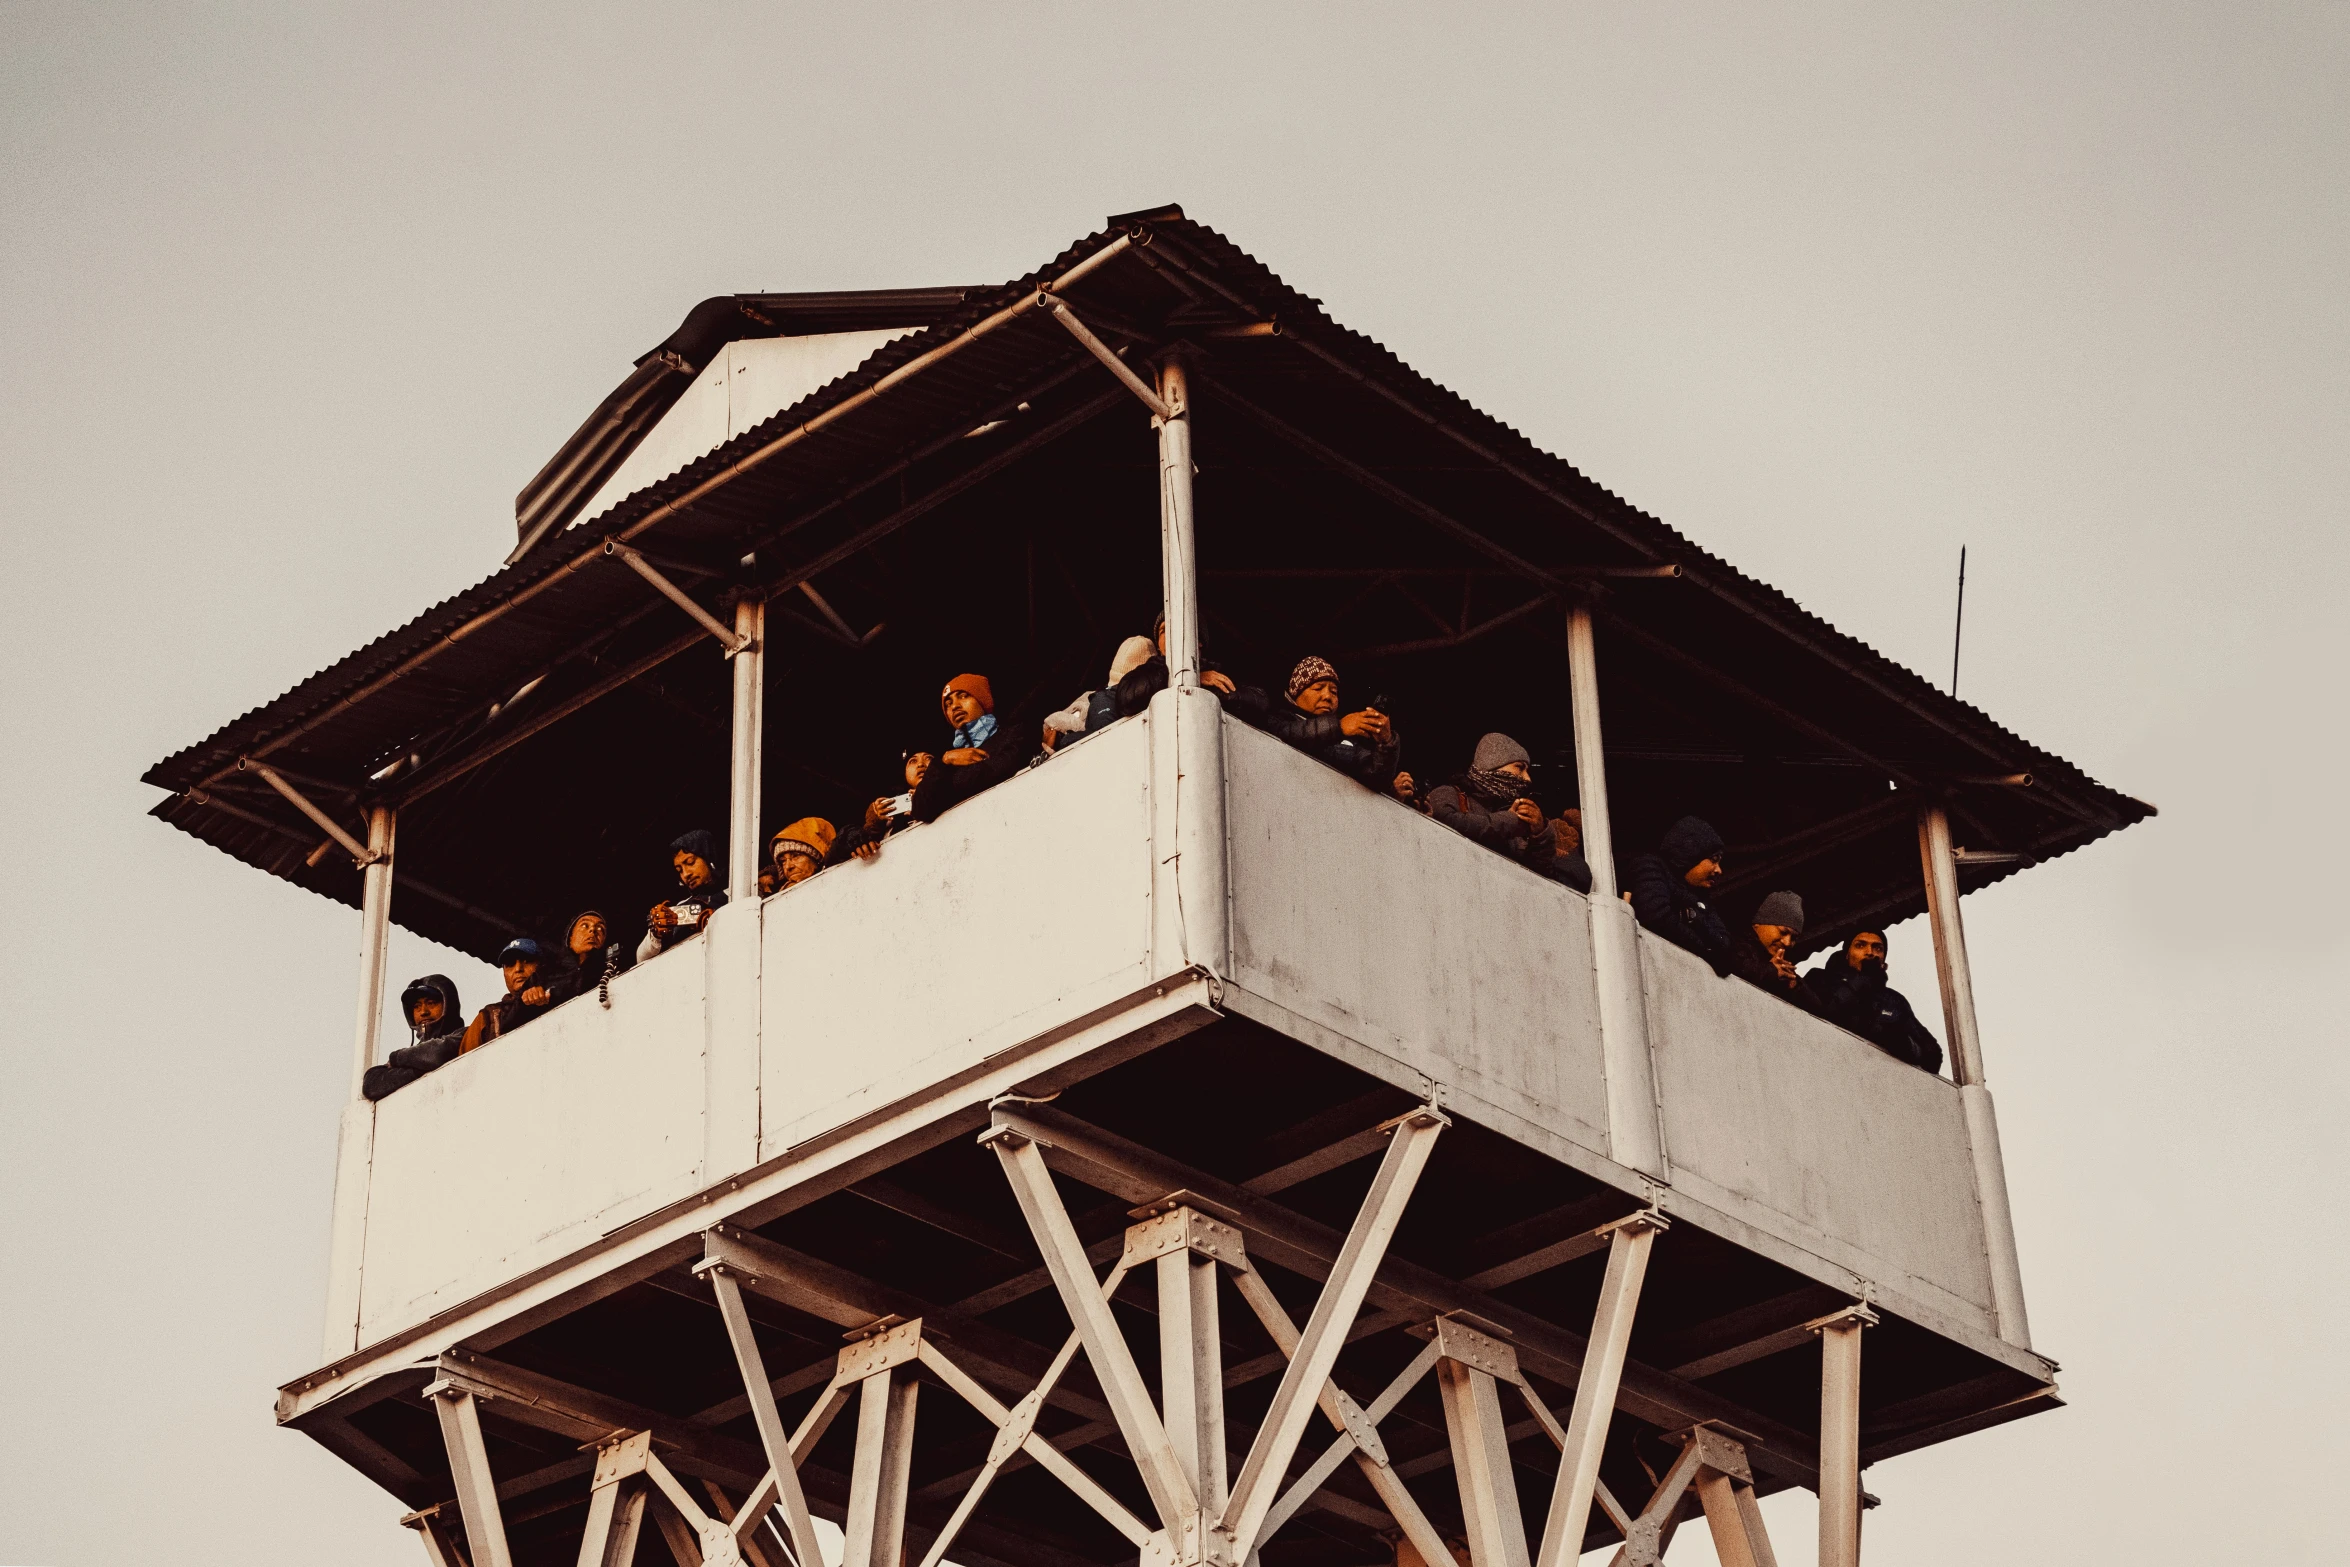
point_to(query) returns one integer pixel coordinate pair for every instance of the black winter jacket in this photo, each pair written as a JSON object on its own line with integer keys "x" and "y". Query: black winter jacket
{"x": 1536, "y": 848}
{"x": 1319, "y": 737}
{"x": 1672, "y": 908}
{"x": 427, "y": 1051}
{"x": 1750, "y": 960}
{"x": 587, "y": 974}
{"x": 943, "y": 787}
{"x": 1861, "y": 1001}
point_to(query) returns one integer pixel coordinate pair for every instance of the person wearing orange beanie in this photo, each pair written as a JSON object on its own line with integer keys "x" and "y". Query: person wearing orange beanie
{"x": 974, "y": 759}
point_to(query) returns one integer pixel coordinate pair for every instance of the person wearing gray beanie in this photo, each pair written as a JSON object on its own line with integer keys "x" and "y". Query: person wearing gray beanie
{"x": 1493, "y": 803}
{"x": 1762, "y": 957}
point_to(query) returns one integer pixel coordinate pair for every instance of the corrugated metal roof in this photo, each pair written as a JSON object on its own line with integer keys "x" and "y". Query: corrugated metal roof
{"x": 799, "y": 490}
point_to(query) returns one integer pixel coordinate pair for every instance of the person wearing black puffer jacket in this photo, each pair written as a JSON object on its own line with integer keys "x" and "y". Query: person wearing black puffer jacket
{"x": 1668, "y": 887}
{"x": 1493, "y": 803}
{"x": 1853, "y": 995}
{"x": 436, "y": 1027}
{"x": 1362, "y": 744}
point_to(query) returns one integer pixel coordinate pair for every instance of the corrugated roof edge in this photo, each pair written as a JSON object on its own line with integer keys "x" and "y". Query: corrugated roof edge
{"x": 1371, "y": 362}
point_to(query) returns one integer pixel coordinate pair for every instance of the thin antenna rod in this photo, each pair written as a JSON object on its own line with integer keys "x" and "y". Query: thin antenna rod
{"x": 1958, "y": 626}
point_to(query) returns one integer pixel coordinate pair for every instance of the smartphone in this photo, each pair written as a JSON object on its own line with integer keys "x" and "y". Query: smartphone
{"x": 900, "y": 804}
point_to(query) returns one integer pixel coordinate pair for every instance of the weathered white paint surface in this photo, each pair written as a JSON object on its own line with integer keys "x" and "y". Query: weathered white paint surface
{"x": 535, "y": 1144}
{"x": 1018, "y": 910}
{"x": 1372, "y": 920}
{"x": 1852, "y": 1153}
{"x": 747, "y": 382}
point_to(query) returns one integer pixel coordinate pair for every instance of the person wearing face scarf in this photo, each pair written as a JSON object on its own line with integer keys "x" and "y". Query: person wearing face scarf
{"x": 1853, "y": 995}
{"x": 1667, "y": 887}
{"x": 976, "y": 758}
{"x": 436, "y": 1027}
{"x": 1493, "y": 803}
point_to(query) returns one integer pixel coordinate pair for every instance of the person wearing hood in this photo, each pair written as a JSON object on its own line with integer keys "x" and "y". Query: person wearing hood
{"x": 885, "y": 817}
{"x": 590, "y": 957}
{"x": 1852, "y": 994}
{"x": 522, "y": 962}
{"x": 1760, "y": 956}
{"x": 694, "y": 857}
{"x": 436, "y": 1032}
{"x": 1493, "y": 803}
{"x": 975, "y": 759}
{"x": 1668, "y": 885}
{"x": 801, "y": 850}
{"x": 1130, "y": 690}
{"x": 1363, "y": 744}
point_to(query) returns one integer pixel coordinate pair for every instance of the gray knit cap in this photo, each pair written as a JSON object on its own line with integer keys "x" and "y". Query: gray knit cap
{"x": 1783, "y": 909}
{"x": 1497, "y": 751}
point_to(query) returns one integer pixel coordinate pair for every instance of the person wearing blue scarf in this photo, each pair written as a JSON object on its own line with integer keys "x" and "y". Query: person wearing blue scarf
{"x": 970, "y": 763}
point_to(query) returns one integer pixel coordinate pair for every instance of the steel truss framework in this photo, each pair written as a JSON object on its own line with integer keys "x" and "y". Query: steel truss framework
{"x": 749, "y": 1507}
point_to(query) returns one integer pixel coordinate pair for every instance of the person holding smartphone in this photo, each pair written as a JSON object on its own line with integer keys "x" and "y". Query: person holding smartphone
{"x": 694, "y": 857}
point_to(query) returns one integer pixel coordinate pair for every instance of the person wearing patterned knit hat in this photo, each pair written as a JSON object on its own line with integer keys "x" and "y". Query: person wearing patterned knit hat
{"x": 975, "y": 757}
{"x": 1363, "y": 744}
{"x": 1761, "y": 956}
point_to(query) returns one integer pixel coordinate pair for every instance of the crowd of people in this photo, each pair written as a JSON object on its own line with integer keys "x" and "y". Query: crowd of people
{"x": 1490, "y": 801}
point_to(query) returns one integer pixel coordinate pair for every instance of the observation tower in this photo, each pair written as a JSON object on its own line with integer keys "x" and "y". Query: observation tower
{"x": 1179, "y": 1152}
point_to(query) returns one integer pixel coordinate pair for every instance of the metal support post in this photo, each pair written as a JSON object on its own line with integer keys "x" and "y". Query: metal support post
{"x": 1840, "y": 1436}
{"x": 1481, "y": 1465}
{"x": 876, "y": 1522}
{"x": 782, "y": 1463}
{"x": 1351, "y": 1272}
{"x": 375, "y": 925}
{"x": 438, "y": 1535}
{"x": 1105, "y": 1344}
{"x": 1178, "y": 553}
{"x": 1966, "y": 1068}
{"x": 745, "y": 750}
{"x": 616, "y": 1503}
{"x": 469, "y": 1472}
{"x": 1191, "y": 1372}
{"x": 1634, "y": 1138}
{"x": 1595, "y": 1389}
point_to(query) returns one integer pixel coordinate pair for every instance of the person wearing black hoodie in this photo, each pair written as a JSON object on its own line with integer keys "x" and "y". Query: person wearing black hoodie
{"x": 1853, "y": 995}
{"x": 1667, "y": 888}
{"x": 436, "y": 1029}
{"x": 694, "y": 856}
{"x": 594, "y": 958}
{"x": 1493, "y": 804}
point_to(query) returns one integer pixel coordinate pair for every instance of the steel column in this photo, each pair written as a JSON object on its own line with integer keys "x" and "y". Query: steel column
{"x": 746, "y": 748}
{"x": 1191, "y": 1372}
{"x": 616, "y": 1503}
{"x": 469, "y": 1472}
{"x": 1635, "y": 1139}
{"x": 375, "y": 927}
{"x": 1940, "y": 863}
{"x": 1840, "y": 1438}
{"x": 1481, "y": 1465}
{"x": 876, "y": 1523}
{"x": 1178, "y": 555}
{"x": 1734, "y": 1520}
{"x": 1595, "y": 1390}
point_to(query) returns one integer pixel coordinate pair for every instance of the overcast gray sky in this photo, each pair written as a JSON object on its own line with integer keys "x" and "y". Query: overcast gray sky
{"x": 293, "y": 301}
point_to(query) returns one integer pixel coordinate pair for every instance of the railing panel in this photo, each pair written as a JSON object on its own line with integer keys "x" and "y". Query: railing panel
{"x": 1778, "y": 1109}
{"x": 1359, "y": 914}
{"x": 1016, "y": 911}
{"x": 516, "y": 1153}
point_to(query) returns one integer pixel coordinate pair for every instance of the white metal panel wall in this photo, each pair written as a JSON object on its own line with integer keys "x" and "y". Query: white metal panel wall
{"x": 517, "y": 1153}
{"x": 1367, "y": 918}
{"x": 1014, "y": 912}
{"x": 1768, "y": 1106}
{"x": 750, "y": 381}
